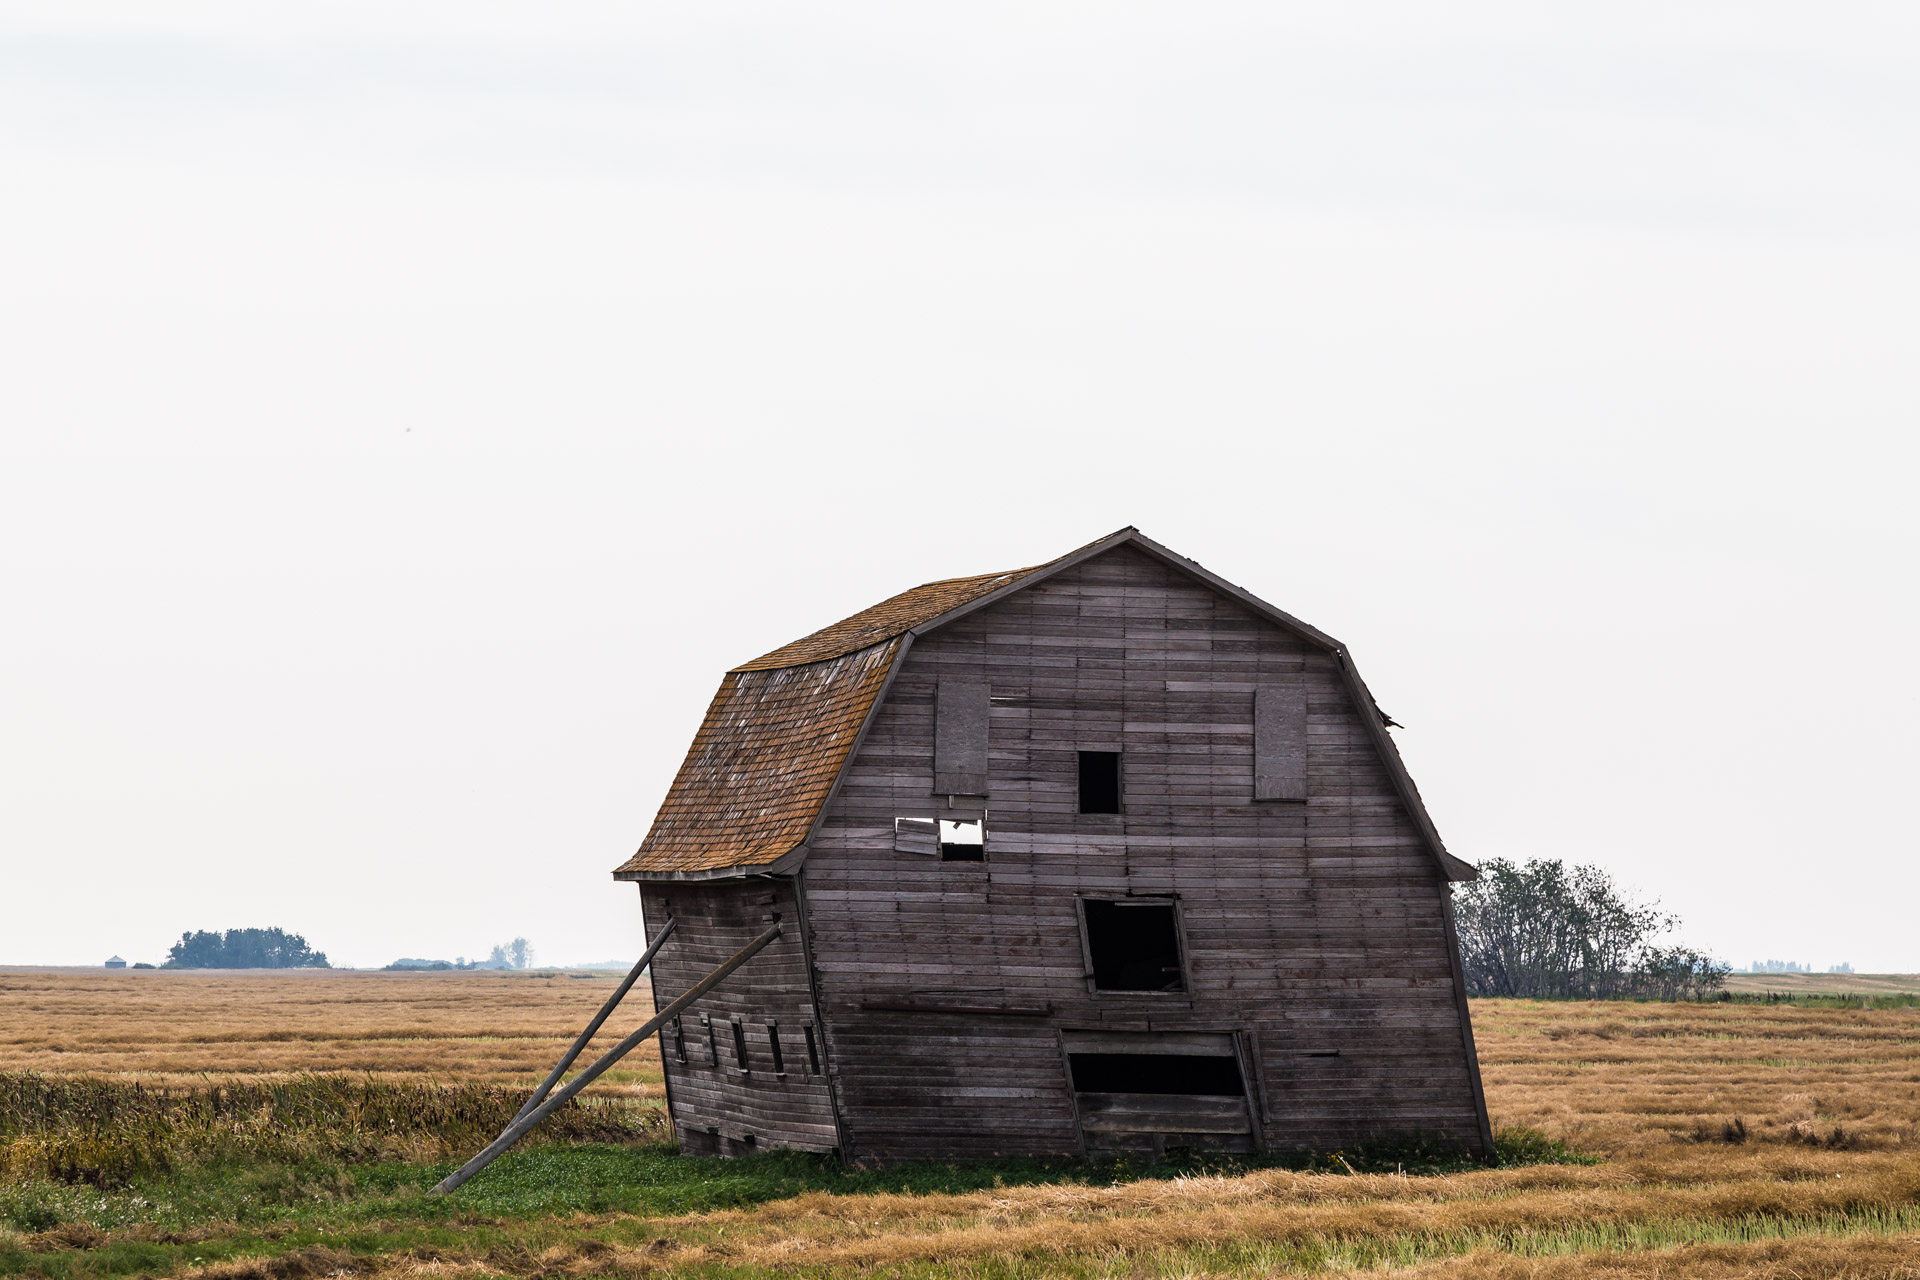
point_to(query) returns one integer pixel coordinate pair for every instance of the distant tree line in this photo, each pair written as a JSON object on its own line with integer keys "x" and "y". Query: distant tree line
{"x": 244, "y": 949}
{"x": 1546, "y": 930}
{"x": 517, "y": 954}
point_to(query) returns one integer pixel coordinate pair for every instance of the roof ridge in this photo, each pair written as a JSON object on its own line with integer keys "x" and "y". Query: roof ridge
{"x": 894, "y": 616}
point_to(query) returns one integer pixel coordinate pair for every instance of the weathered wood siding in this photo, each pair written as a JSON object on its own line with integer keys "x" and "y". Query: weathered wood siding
{"x": 720, "y": 1110}
{"x": 1315, "y": 927}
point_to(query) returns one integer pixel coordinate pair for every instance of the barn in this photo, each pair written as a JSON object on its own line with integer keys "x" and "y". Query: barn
{"x": 1102, "y": 855}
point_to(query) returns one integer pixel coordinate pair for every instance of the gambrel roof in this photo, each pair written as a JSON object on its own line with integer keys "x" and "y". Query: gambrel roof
{"x": 783, "y": 727}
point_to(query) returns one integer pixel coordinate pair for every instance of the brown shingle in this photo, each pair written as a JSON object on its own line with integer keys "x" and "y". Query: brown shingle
{"x": 891, "y": 617}
{"x": 762, "y": 764}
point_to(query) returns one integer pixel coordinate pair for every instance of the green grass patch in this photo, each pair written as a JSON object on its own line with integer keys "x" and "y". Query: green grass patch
{"x": 1817, "y": 1000}
{"x": 648, "y": 1179}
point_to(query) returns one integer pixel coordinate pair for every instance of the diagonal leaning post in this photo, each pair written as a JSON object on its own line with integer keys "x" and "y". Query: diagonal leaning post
{"x": 606, "y": 1010}
{"x": 524, "y": 1124}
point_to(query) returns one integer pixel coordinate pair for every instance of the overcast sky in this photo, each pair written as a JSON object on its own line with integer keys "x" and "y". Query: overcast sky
{"x": 410, "y": 411}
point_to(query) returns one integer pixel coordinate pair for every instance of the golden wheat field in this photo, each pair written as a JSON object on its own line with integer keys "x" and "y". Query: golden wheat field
{"x": 173, "y": 1027}
{"x": 1732, "y": 1140}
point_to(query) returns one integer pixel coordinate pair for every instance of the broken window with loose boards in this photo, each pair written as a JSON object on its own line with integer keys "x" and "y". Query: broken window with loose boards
{"x": 1151, "y": 1091}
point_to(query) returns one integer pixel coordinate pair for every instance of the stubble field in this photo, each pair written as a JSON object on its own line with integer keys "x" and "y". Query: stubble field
{"x": 1726, "y": 1140}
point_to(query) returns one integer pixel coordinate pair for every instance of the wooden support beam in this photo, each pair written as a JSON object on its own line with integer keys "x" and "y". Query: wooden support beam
{"x": 606, "y": 1010}
{"x": 525, "y": 1124}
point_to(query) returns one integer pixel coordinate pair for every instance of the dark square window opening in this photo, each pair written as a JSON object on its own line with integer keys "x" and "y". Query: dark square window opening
{"x": 1099, "y": 782}
{"x": 773, "y": 1044}
{"x": 962, "y": 840}
{"x": 1156, "y": 1073}
{"x": 813, "y": 1052}
{"x": 1134, "y": 945}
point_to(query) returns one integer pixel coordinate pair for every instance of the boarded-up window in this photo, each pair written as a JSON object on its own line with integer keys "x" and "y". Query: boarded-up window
{"x": 960, "y": 739}
{"x": 1280, "y": 742}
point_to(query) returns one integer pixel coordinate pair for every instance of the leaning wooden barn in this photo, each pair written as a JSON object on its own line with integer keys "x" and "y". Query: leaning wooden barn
{"x": 1104, "y": 854}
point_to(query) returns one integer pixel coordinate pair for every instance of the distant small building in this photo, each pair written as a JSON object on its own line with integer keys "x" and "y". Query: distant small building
{"x": 115, "y": 962}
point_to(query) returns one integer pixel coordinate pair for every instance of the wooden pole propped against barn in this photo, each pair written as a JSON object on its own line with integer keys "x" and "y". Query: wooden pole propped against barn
{"x": 525, "y": 1123}
{"x": 606, "y": 1010}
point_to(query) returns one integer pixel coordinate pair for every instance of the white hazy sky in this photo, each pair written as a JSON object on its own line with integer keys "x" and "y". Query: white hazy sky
{"x": 408, "y": 411}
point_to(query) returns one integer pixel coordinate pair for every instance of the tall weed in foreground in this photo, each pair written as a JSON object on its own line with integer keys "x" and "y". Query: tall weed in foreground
{"x": 80, "y": 1129}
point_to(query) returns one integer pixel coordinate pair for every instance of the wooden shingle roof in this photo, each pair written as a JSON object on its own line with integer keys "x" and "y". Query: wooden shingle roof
{"x": 891, "y": 617}
{"x": 778, "y": 733}
{"x": 762, "y": 765}
{"x": 782, "y": 727}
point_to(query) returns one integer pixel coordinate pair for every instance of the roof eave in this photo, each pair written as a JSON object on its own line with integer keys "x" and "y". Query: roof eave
{"x": 786, "y": 864}
{"x": 790, "y": 861}
{"x": 1451, "y": 867}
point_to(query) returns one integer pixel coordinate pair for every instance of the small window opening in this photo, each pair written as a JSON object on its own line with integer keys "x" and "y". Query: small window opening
{"x": 713, "y": 1040}
{"x": 1099, "y": 782}
{"x": 964, "y": 840}
{"x": 813, "y": 1052}
{"x": 739, "y": 1043}
{"x": 679, "y": 1040}
{"x": 1134, "y": 945}
{"x": 1155, "y": 1073}
{"x": 773, "y": 1043}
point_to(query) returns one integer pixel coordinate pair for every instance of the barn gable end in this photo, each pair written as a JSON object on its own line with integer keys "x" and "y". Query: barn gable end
{"x": 954, "y": 1000}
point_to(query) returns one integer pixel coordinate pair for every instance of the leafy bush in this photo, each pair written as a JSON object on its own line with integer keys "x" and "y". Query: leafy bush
{"x": 1544, "y": 930}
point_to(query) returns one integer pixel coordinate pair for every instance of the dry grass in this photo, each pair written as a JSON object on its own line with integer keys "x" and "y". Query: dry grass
{"x": 1623, "y": 1079}
{"x": 1779, "y": 1213}
{"x": 175, "y": 1028}
{"x": 1740, "y": 1140}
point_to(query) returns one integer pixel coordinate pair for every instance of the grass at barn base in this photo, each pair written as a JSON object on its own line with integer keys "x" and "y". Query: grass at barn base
{"x": 586, "y": 1210}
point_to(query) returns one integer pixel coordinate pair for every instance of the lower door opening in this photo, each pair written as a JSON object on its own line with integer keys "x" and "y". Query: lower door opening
{"x": 1147, "y": 1092}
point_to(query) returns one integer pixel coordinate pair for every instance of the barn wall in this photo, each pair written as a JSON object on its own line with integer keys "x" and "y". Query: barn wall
{"x": 1315, "y": 926}
{"x": 717, "y": 1109}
